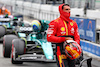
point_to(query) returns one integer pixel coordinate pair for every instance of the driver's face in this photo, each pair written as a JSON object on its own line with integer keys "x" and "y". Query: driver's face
{"x": 66, "y": 9}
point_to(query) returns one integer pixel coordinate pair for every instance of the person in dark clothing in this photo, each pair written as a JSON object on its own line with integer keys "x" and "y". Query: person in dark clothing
{"x": 85, "y": 8}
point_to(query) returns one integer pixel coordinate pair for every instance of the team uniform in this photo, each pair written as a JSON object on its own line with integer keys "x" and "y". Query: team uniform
{"x": 59, "y": 29}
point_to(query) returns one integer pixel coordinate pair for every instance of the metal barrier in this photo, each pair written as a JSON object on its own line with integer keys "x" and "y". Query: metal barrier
{"x": 38, "y": 11}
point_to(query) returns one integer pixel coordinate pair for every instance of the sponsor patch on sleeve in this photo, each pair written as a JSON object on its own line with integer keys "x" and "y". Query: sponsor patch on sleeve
{"x": 50, "y": 31}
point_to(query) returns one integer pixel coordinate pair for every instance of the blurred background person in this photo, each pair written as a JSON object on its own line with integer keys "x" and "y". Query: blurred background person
{"x": 4, "y": 11}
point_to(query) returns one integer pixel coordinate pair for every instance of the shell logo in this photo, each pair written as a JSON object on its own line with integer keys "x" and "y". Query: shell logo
{"x": 62, "y": 29}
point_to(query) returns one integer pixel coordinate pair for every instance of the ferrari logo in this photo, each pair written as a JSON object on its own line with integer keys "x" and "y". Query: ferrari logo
{"x": 71, "y": 24}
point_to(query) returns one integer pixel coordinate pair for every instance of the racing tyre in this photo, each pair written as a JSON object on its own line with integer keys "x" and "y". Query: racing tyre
{"x": 18, "y": 48}
{"x": 7, "y": 43}
{"x": 2, "y": 31}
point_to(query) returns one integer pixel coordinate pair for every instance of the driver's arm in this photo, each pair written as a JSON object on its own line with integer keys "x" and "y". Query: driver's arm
{"x": 76, "y": 35}
{"x": 51, "y": 33}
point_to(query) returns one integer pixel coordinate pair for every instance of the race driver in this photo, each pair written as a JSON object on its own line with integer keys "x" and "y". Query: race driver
{"x": 60, "y": 30}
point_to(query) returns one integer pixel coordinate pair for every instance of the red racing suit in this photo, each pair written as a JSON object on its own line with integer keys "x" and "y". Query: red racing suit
{"x": 59, "y": 27}
{"x": 62, "y": 26}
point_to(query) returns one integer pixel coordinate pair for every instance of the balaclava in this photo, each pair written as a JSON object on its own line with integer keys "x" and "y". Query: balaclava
{"x": 64, "y": 15}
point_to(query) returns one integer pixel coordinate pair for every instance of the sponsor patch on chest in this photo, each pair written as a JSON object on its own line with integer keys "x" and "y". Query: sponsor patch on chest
{"x": 63, "y": 32}
{"x": 62, "y": 28}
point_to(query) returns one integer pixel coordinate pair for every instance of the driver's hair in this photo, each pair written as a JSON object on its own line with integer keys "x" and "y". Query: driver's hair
{"x": 65, "y": 5}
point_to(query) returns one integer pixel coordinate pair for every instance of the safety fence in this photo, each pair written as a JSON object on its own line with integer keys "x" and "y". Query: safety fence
{"x": 46, "y": 12}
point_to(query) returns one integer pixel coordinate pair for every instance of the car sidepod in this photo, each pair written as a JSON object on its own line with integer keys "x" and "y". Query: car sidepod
{"x": 47, "y": 50}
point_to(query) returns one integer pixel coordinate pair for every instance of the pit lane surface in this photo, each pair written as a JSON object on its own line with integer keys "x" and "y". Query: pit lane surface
{"x": 6, "y": 62}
